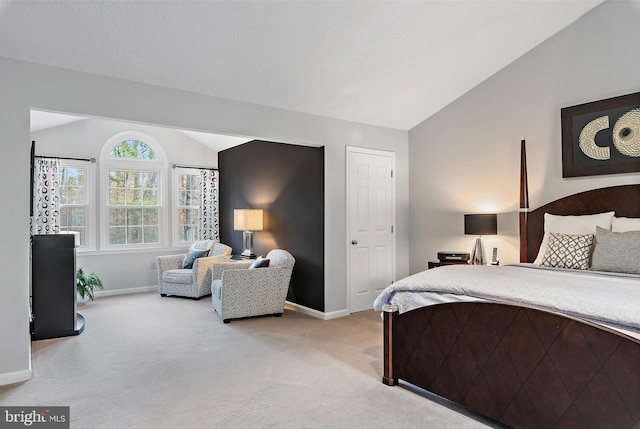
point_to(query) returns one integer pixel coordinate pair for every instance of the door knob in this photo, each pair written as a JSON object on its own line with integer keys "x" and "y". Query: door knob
{"x": 354, "y": 242}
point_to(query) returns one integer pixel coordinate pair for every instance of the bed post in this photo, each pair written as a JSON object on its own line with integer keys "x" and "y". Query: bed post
{"x": 524, "y": 203}
{"x": 389, "y": 311}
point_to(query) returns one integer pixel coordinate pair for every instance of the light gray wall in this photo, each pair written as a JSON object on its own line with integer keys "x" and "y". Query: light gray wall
{"x": 85, "y": 139}
{"x": 465, "y": 159}
{"x": 25, "y": 86}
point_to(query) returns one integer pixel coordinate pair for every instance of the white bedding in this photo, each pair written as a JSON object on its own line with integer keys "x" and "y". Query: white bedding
{"x": 604, "y": 298}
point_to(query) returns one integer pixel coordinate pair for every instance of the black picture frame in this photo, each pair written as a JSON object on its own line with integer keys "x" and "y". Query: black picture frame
{"x": 592, "y": 145}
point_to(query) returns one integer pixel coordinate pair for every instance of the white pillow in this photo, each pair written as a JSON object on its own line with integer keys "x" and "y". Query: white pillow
{"x": 585, "y": 224}
{"x": 624, "y": 224}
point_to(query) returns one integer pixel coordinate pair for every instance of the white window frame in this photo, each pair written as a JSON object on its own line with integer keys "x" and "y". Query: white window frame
{"x": 158, "y": 166}
{"x": 175, "y": 227}
{"x": 90, "y": 222}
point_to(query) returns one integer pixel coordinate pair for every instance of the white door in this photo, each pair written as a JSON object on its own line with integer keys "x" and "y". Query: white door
{"x": 370, "y": 224}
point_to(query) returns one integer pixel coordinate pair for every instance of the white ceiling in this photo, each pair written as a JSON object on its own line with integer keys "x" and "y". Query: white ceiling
{"x": 386, "y": 63}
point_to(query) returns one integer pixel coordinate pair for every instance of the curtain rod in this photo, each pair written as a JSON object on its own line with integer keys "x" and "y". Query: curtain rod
{"x": 92, "y": 160}
{"x": 174, "y": 166}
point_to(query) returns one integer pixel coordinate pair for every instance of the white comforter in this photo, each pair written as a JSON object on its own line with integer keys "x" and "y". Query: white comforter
{"x": 608, "y": 299}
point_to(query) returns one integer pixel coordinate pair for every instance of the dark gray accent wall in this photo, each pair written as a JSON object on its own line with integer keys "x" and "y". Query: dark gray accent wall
{"x": 287, "y": 182}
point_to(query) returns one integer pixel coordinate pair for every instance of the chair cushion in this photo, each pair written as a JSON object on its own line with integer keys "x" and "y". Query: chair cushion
{"x": 192, "y": 255}
{"x": 178, "y": 276}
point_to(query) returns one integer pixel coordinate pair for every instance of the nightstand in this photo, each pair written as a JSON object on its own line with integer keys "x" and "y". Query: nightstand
{"x": 242, "y": 258}
{"x": 434, "y": 264}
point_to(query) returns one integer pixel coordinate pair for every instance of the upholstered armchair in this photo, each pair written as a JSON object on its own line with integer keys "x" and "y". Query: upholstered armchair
{"x": 194, "y": 282}
{"x": 243, "y": 292}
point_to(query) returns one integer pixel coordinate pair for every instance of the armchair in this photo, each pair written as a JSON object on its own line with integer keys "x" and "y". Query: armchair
{"x": 190, "y": 282}
{"x": 241, "y": 292}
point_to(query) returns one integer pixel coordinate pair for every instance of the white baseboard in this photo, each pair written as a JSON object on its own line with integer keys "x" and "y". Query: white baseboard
{"x": 336, "y": 314}
{"x": 315, "y": 313}
{"x": 15, "y": 377}
{"x": 291, "y": 305}
{"x": 127, "y": 291}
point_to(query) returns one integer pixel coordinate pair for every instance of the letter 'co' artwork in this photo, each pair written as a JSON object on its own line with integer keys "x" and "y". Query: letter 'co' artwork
{"x": 602, "y": 137}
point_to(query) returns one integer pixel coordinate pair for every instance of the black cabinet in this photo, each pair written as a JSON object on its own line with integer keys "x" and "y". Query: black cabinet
{"x": 53, "y": 287}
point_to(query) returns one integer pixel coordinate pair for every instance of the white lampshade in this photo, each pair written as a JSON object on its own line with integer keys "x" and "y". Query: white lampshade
{"x": 247, "y": 220}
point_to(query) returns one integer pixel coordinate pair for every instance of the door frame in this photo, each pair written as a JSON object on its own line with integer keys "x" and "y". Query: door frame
{"x": 392, "y": 155}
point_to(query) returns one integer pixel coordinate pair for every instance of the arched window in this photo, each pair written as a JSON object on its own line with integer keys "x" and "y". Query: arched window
{"x": 132, "y": 149}
{"x": 133, "y": 168}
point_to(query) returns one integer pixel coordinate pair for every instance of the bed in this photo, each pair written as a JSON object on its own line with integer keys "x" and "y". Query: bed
{"x": 549, "y": 357}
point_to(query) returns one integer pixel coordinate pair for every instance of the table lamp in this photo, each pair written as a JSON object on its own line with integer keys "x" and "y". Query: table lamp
{"x": 480, "y": 224}
{"x": 247, "y": 220}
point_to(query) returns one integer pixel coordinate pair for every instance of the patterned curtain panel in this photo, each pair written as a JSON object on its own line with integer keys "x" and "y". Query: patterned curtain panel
{"x": 209, "y": 227}
{"x": 46, "y": 197}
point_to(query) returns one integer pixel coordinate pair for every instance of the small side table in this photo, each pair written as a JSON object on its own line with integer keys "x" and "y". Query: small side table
{"x": 435, "y": 264}
{"x": 242, "y": 258}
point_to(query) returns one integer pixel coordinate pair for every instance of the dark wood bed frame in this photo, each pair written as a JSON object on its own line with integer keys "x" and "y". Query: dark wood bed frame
{"x": 521, "y": 366}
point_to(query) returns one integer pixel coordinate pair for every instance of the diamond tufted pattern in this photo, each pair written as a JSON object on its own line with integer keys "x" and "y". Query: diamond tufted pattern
{"x": 524, "y": 367}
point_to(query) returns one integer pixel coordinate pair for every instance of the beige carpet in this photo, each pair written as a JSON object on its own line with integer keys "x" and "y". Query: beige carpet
{"x": 149, "y": 362}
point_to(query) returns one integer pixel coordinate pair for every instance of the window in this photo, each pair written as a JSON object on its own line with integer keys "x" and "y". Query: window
{"x": 134, "y": 210}
{"x": 188, "y": 188}
{"x": 195, "y": 205}
{"x": 75, "y": 209}
{"x": 133, "y": 207}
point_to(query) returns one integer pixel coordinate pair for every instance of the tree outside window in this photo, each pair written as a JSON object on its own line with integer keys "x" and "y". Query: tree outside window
{"x": 133, "y": 149}
{"x": 189, "y": 188}
{"x": 133, "y": 215}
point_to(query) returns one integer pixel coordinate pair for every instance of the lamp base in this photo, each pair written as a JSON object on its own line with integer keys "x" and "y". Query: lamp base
{"x": 477, "y": 255}
{"x": 246, "y": 254}
{"x": 247, "y": 238}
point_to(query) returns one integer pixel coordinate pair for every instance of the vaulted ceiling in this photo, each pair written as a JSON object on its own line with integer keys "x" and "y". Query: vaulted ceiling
{"x": 386, "y": 63}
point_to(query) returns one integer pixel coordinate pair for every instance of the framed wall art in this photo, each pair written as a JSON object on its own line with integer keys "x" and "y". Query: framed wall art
{"x": 601, "y": 137}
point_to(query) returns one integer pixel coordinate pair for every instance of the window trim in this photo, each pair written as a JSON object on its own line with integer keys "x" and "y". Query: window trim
{"x": 159, "y": 166}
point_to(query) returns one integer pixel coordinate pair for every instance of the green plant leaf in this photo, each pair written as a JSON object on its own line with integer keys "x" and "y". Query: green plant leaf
{"x": 86, "y": 283}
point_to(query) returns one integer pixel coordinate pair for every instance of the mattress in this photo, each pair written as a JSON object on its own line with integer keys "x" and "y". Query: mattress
{"x": 608, "y": 299}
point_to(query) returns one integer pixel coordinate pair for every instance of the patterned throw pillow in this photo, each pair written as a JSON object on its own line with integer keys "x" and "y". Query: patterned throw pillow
{"x": 568, "y": 251}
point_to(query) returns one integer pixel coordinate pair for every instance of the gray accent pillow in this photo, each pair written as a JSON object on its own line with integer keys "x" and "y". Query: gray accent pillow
{"x": 259, "y": 263}
{"x": 191, "y": 257}
{"x": 568, "y": 251}
{"x": 617, "y": 251}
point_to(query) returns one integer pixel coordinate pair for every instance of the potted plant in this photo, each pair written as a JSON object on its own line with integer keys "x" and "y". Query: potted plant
{"x": 86, "y": 283}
